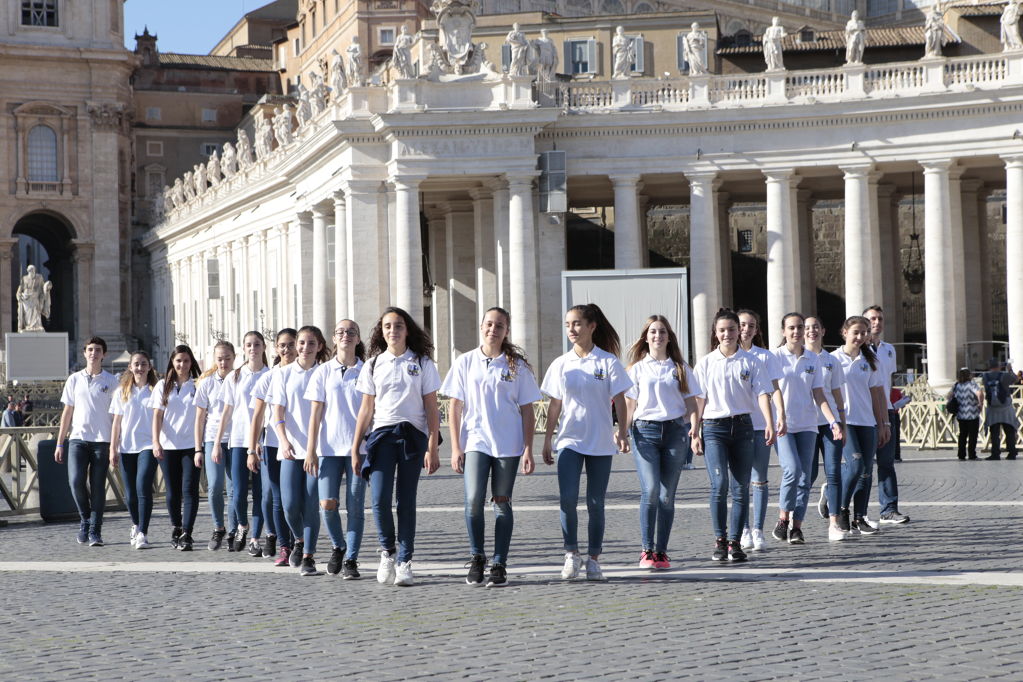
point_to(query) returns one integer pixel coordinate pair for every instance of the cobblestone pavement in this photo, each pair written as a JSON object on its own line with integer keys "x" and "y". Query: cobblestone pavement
{"x": 939, "y": 598}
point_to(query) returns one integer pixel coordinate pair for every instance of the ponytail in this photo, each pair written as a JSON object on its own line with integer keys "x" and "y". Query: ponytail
{"x": 512, "y": 353}
{"x": 238, "y": 371}
{"x": 604, "y": 335}
{"x": 865, "y": 349}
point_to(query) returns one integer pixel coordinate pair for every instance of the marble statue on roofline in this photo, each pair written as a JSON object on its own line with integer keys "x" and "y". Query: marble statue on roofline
{"x": 244, "y": 150}
{"x": 855, "y": 39}
{"x": 546, "y": 57}
{"x": 519, "y": 46}
{"x": 338, "y": 80}
{"x": 33, "y": 297}
{"x": 694, "y": 50}
{"x": 178, "y": 192}
{"x": 228, "y": 161}
{"x": 213, "y": 169}
{"x": 934, "y": 31}
{"x": 355, "y": 63}
{"x": 771, "y": 39}
{"x": 304, "y": 109}
{"x": 199, "y": 176}
{"x": 402, "y": 58}
{"x": 189, "y": 186}
{"x": 623, "y": 52}
{"x": 1009, "y": 22}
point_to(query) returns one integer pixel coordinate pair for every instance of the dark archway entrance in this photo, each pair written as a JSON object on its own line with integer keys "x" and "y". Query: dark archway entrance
{"x": 44, "y": 240}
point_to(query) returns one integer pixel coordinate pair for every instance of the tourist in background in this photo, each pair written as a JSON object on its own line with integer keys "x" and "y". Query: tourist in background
{"x": 970, "y": 399}
{"x": 211, "y": 449}
{"x": 1001, "y": 414}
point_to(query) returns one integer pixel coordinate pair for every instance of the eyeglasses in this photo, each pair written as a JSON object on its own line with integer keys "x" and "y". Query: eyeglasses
{"x": 346, "y": 332}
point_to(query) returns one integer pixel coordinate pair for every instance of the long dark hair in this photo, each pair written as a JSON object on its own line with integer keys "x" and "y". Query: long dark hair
{"x": 867, "y": 351}
{"x": 417, "y": 340}
{"x": 323, "y": 354}
{"x": 512, "y": 353}
{"x": 170, "y": 377}
{"x": 128, "y": 378}
{"x": 722, "y": 314}
{"x": 758, "y": 338}
{"x": 287, "y": 331}
{"x": 238, "y": 372}
{"x": 360, "y": 347}
{"x": 604, "y": 335}
{"x": 641, "y": 349}
{"x": 786, "y": 316}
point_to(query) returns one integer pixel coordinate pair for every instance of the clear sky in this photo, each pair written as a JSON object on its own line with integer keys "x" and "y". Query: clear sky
{"x": 186, "y": 26}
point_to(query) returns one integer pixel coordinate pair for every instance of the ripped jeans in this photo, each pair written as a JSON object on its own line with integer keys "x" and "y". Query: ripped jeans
{"x": 857, "y": 462}
{"x": 728, "y": 452}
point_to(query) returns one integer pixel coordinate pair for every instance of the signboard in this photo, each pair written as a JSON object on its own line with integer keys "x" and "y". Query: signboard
{"x": 37, "y": 356}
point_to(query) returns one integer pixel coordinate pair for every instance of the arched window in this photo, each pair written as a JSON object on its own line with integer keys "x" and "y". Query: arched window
{"x": 611, "y": 7}
{"x": 642, "y": 8}
{"x": 42, "y": 154}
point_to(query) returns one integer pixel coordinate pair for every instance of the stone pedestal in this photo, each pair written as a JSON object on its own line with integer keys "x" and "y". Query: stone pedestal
{"x": 36, "y": 356}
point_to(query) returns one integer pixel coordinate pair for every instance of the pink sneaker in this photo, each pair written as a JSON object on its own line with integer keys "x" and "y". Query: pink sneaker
{"x": 646, "y": 559}
{"x": 283, "y": 556}
{"x": 661, "y": 561}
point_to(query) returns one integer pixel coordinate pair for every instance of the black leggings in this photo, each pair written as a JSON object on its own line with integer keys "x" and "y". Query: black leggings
{"x": 182, "y": 481}
{"x": 1010, "y": 439}
{"x": 968, "y": 429}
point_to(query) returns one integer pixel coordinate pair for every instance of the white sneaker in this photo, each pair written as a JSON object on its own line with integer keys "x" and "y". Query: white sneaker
{"x": 835, "y": 534}
{"x": 746, "y": 541}
{"x": 403, "y": 576}
{"x": 593, "y": 571}
{"x": 869, "y": 522}
{"x": 131, "y": 536}
{"x": 758, "y": 543}
{"x": 573, "y": 562}
{"x": 385, "y": 572}
{"x": 141, "y": 542}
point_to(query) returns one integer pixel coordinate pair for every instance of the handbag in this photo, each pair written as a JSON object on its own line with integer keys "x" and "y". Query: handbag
{"x": 952, "y": 406}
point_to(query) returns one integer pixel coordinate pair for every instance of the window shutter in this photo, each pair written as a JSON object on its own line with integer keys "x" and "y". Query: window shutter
{"x": 591, "y": 56}
{"x": 505, "y": 56}
{"x": 213, "y": 277}
{"x": 680, "y": 53}
{"x": 566, "y": 48}
{"x": 639, "y": 65}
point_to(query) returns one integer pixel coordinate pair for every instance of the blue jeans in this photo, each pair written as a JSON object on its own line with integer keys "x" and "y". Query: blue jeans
{"x": 392, "y": 476}
{"x": 887, "y": 480}
{"x": 728, "y": 451}
{"x": 181, "y": 477}
{"x": 660, "y": 449}
{"x": 795, "y": 454}
{"x": 333, "y": 472}
{"x": 857, "y": 463}
{"x": 501, "y": 471}
{"x": 273, "y": 506}
{"x": 758, "y": 479}
{"x": 238, "y": 474}
{"x": 831, "y": 450}
{"x": 138, "y": 469}
{"x": 598, "y": 473}
{"x": 218, "y": 477}
{"x": 300, "y": 495}
{"x": 89, "y": 461}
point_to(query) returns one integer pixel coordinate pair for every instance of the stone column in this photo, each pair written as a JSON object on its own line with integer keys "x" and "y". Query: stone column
{"x": 1014, "y": 256}
{"x": 301, "y": 286}
{"x": 522, "y": 263}
{"x": 283, "y": 279}
{"x": 862, "y": 286}
{"x": 83, "y": 258}
{"x": 440, "y": 312}
{"x": 939, "y": 297}
{"x": 408, "y": 247}
{"x": 460, "y": 255}
{"x": 894, "y": 325}
{"x": 705, "y": 276}
{"x": 889, "y": 264}
{"x": 955, "y": 201}
{"x": 805, "y": 261}
{"x": 551, "y": 252}
{"x": 973, "y": 235}
{"x": 724, "y": 218}
{"x": 321, "y": 283}
{"x": 500, "y": 193}
{"x": 341, "y": 301}
{"x": 367, "y": 285}
{"x": 485, "y": 248}
{"x": 628, "y": 241}
{"x": 263, "y": 288}
{"x": 7, "y": 312}
{"x": 643, "y": 207}
{"x": 392, "y": 213}
{"x": 984, "y": 256}
{"x": 781, "y": 272}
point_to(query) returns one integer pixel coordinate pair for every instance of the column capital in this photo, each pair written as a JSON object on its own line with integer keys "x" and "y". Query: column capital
{"x": 372, "y": 186}
{"x": 83, "y": 250}
{"x": 304, "y": 216}
{"x": 1012, "y": 160}
{"x": 6, "y": 248}
{"x": 520, "y": 180}
{"x": 339, "y": 197}
{"x": 481, "y": 193}
{"x": 856, "y": 170}
{"x": 780, "y": 174}
{"x": 700, "y": 177}
{"x": 956, "y": 172}
{"x": 324, "y": 209}
{"x": 408, "y": 183}
{"x": 624, "y": 179}
{"x": 937, "y": 165}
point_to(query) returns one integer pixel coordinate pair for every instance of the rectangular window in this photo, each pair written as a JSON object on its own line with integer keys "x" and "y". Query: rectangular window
{"x": 638, "y": 47}
{"x": 209, "y": 115}
{"x": 213, "y": 278}
{"x": 154, "y": 183}
{"x": 387, "y": 36}
{"x": 745, "y": 241}
{"x": 42, "y": 155}
{"x": 152, "y": 113}
{"x": 581, "y": 55}
{"x": 208, "y": 148}
{"x": 154, "y": 148}
{"x": 39, "y": 13}
{"x": 297, "y": 46}
{"x": 505, "y": 56}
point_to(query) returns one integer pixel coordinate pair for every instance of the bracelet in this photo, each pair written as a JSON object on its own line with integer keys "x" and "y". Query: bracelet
{"x": 283, "y": 421}
{"x": 59, "y": 447}
{"x": 841, "y": 410}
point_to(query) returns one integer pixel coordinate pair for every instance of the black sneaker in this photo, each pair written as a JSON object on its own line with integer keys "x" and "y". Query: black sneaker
{"x": 175, "y": 538}
{"x": 735, "y": 552}
{"x": 230, "y": 541}
{"x": 781, "y": 531}
{"x": 308, "y": 567}
{"x": 843, "y": 520}
{"x": 83, "y": 533}
{"x": 240, "y": 538}
{"x": 864, "y": 527}
{"x": 185, "y": 542}
{"x": 95, "y": 539}
{"x": 217, "y": 539}
{"x": 254, "y": 549}
{"x": 337, "y": 558}
{"x": 270, "y": 547}
{"x": 476, "y": 564}
{"x": 720, "y": 550}
{"x": 822, "y": 504}
{"x": 350, "y": 570}
{"x": 498, "y": 576}
{"x": 295, "y": 559}
{"x": 796, "y": 537}
{"x": 894, "y": 517}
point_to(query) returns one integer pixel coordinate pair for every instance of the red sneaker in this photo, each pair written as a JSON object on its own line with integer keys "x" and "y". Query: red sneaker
{"x": 661, "y": 561}
{"x": 646, "y": 559}
{"x": 283, "y": 556}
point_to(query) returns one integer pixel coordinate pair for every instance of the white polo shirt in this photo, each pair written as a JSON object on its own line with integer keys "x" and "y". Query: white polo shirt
{"x": 887, "y": 364}
{"x": 237, "y": 392}
{"x": 657, "y": 392}
{"x": 333, "y": 384}
{"x": 801, "y": 374}
{"x": 288, "y": 389}
{"x": 731, "y": 385}
{"x": 399, "y": 384}
{"x": 178, "y": 431}
{"x": 261, "y": 391}
{"x": 834, "y": 377}
{"x": 859, "y": 379}
{"x": 90, "y": 396}
{"x": 585, "y": 386}
{"x": 492, "y": 397}
{"x": 136, "y": 419}
{"x": 208, "y": 397}
{"x": 774, "y": 373}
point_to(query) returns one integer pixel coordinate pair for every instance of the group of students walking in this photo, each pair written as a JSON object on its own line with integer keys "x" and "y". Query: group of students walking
{"x": 329, "y": 419}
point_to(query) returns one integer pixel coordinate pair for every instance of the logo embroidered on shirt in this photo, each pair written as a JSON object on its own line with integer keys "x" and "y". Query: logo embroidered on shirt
{"x": 864, "y": 367}
{"x": 413, "y": 370}
{"x": 506, "y": 375}
{"x": 744, "y": 375}
{"x": 811, "y": 370}
{"x": 104, "y": 388}
{"x": 599, "y": 374}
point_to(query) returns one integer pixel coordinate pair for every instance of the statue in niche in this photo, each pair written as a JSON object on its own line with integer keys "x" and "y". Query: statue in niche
{"x": 213, "y": 169}
{"x": 934, "y": 32}
{"x": 694, "y": 47}
{"x": 33, "y": 297}
{"x": 282, "y": 125}
{"x": 546, "y": 57}
{"x": 304, "y": 110}
{"x": 623, "y": 52}
{"x": 1010, "y": 27}
{"x": 244, "y": 152}
{"x": 338, "y": 82}
{"x": 199, "y": 177}
{"x": 178, "y": 193}
{"x": 355, "y": 63}
{"x": 189, "y": 185}
{"x": 318, "y": 96}
{"x": 771, "y": 39}
{"x": 402, "y": 58}
{"x": 516, "y": 40}
{"x": 855, "y": 39}
{"x": 229, "y": 161}
{"x": 456, "y": 20}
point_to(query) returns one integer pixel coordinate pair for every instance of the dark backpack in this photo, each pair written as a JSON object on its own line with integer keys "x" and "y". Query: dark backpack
{"x": 994, "y": 388}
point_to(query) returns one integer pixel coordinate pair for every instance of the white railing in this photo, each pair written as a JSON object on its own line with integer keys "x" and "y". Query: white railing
{"x": 977, "y": 70}
{"x": 586, "y": 96}
{"x": 829, "y": 83}
{"x": 653, "y": 93}
{"x": 894, "y": 77}
{"x": 738, "y": 88}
